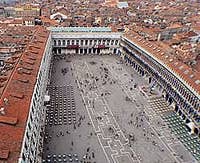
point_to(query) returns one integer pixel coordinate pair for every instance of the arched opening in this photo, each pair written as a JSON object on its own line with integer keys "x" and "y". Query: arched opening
{"x": 149, "y": 79}
{"x": 196, "y": 131}
{"x": 176, "y": 108}
{"x": 187, "y": 121}
{"x": 90, "y": 51}
{"x": 59, "y": 42}
{"x": 167, "y": 97}
{"x": 115, "y": 51}
{"x": 54, "y": 42}
{"x": 170, "y": 100}
{"x": 142, "y": 73}
{"x": 59, "y": 51}
{"x": 63, "y": 43}
{"x": 81, "y": 51}
{"x": 179, "y": 112}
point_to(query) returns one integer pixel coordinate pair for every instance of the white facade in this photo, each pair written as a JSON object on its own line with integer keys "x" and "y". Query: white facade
{"x": 85, "y": 43}
{"x": 36, "y": 120}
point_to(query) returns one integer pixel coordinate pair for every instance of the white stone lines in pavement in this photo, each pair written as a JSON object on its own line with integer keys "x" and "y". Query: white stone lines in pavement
{"x": 118, "y": 128}
{"x": 153, "y": 115}
{"x": 108, "y": 111}
{"x": 97, "y": 131}
{"x": 150, "y": 125}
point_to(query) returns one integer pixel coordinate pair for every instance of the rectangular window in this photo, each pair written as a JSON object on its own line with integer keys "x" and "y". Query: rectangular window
{"x": 31, "y": 118}
{"x": 90, "y": 42}
{"x": 81, "y": 42}
{"x": 29, "y": 126}
{"x": 23, "y": 157}
{"x": 27, "y": 135}
{"x": 86, "y": 42}
{"x": 25, "y": 146}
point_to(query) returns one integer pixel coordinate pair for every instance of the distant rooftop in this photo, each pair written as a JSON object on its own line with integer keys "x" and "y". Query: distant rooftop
{"x": 80, "y": 29}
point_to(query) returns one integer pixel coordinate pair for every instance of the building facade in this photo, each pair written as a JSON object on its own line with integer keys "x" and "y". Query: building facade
{"x": 69, "y": 41}
{"x": 84, "y": 40}
{"x": 184, "y": 99}
{"x": 27, "y": 11}
{"x": 33, "y": 136}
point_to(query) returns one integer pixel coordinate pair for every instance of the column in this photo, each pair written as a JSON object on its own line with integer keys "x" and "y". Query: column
{"x": 114, "y": 43}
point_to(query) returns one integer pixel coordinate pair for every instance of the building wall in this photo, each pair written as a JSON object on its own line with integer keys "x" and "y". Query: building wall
{"x": 85, "y": 46}
{"x": 31, "y": 149}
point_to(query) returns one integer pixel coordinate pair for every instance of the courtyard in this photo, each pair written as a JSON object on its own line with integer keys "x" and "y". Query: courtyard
{"x": 100, "y": 113}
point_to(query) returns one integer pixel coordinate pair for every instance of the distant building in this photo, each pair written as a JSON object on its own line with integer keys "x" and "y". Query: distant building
{"x": 9, "y": 11}
{"x": 27, "y": 10}
{"x": 168, "y": 33}
{"x": 2, "y": 12}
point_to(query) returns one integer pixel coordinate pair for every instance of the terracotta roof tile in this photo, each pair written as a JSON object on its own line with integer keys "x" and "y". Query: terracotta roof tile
{"x": 18, "y": 92}
{"x": 169, "y": 61}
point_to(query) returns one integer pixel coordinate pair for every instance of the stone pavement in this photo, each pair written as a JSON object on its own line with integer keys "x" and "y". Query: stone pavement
{"x": 114, "y": 120}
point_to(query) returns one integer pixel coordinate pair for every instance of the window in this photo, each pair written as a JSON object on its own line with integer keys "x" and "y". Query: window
{"x": 23, "y": 157}
{"x": 59, "y": 42}
{"x": 63, "y": 42}
{"x": 68, "y": 42}
{"x": 27, "y": 135}
{"x": 25, "y": 146}
{"x": 33, "y": 109}
{"x": 108, "y": 42}
{"x": 29, "y": 126}
{"x": 90, "y": 42}
{"x": 86, "y": 42}
{"x": 31, "y": 118}
{"x": 54, "y": 42}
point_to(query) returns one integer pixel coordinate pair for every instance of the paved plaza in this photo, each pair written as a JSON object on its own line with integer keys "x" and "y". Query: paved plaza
{"x": 98, "y": 113}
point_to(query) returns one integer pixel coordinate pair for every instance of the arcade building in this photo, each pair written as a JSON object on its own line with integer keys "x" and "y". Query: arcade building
{"x": 34, "y": 69}
{"x": 178, "y": 93}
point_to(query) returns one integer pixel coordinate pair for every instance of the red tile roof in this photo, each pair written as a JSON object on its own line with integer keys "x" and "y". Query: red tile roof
{"x": 17, "y": 95}
{"x": 179, "y": 68}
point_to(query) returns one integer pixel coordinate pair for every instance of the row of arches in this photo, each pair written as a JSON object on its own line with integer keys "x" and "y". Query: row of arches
{"x": 181, "y": 89}
{"x": 185, "y": 108}
{"x": 85, "y": 42}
